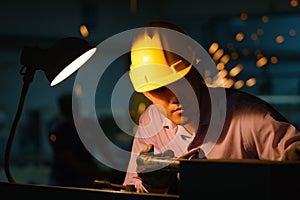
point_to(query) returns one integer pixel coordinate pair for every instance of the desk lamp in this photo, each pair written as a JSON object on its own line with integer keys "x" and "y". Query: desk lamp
{"x": 58, "y": 62}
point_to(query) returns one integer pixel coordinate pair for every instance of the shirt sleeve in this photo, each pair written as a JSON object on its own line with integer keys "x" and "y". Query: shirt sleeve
{"x": 140, "y": 142}
{"x": 269, "y": 137}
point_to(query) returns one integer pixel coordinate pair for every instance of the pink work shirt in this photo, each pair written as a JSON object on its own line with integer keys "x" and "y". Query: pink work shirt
{"x": 252, "y": 130}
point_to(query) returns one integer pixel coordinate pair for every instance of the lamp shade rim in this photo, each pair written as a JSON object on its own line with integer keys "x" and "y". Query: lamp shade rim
{"x": 73, "y": 66}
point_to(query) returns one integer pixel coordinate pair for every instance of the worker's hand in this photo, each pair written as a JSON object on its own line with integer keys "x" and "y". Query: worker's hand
{"x": 138, "y": 185}
{"x": 157, "y": 171}
{"x": 194, "y": 153}
{"x": 157, "y": 181}
{"x": 293, "y": 153}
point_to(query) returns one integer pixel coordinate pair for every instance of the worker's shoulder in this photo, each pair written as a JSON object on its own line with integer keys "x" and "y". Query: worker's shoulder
{"x": 238, "y": 96}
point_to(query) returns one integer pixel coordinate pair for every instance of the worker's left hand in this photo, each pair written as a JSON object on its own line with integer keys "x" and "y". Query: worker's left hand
{"x": 157, "y": 171}
{"x": 293, "y": 153}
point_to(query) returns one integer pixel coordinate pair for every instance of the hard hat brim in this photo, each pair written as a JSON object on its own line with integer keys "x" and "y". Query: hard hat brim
{"x": 163, "y": 81}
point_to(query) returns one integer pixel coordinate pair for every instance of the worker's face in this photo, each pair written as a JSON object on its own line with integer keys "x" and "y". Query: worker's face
{"x": 177, "y": 101}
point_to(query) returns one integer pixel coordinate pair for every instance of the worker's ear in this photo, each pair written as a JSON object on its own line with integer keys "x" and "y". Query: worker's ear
{"x": 149, "y": 96}
{"x": 156, "y": 101}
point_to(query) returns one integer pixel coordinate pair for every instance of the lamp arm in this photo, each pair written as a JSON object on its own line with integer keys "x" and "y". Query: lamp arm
{"x": 27, "y": 79}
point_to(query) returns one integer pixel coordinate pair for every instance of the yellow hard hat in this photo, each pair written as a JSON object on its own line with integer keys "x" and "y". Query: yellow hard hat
{"x": 150, "y": 64}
